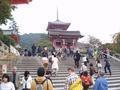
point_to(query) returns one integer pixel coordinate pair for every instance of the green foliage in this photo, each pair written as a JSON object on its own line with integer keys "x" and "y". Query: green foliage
{"x": 108, "y": 45}
{"x": 27, "y": 40}
{"x": 5, "y": 11}
{"x": 7, "y": 40}
{"x": 1, "y": 32}
{"x": 45, "y": 42}
{"x": 116, "y": 40}
{"x": 115, "y": 46}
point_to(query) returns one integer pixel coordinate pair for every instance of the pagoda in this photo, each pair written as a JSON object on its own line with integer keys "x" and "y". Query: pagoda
{"x": 60, "y": 37}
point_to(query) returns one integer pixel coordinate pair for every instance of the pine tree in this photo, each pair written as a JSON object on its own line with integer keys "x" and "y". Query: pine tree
{"x": 5, "y": 11}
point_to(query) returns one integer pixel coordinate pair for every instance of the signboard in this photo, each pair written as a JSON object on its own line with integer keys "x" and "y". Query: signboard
{"x": 4, "y": 68}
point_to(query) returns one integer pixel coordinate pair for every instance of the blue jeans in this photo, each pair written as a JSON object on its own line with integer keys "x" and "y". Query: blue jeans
{"x": 107, "y": 67}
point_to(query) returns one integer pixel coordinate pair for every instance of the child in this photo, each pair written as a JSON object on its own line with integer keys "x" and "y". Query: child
{"x": 99, "y": 66}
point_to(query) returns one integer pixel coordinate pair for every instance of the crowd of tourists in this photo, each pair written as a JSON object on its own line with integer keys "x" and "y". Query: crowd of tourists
{"x": 49, "y": 67}
{"x": 33, "y": 51}
{"x": 89, "y": 74}
{"x": 13, "y": 82}
{"x": 38, "y": 50}
{"x": 84, "y": 81}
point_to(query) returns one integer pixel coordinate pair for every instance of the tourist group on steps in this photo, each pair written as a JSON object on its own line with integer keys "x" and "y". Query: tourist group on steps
{"x": 90, "y": 74}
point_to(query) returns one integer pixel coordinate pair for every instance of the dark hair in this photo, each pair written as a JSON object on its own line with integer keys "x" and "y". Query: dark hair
{"x": 54, "y": 55}
{"x": 85, "y": 73}
{"x": 85, "y": 63}
{"x": 48, "y": 72}
{"x": 91, "y": 64}
{"x": 77, "y": 51}
{"x": 71, "y": 69}
{"x": 40, "y": 71}
{"x": 6, "y": 76}
{"x": 26, "y": 73}
{"x": 98, "y": 61}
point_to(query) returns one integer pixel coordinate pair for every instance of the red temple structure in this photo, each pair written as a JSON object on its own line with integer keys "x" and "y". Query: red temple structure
{"x": 60, "y": 37}
{"x": 20, "y": 1}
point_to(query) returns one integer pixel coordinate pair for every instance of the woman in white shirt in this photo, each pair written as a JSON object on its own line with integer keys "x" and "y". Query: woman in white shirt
{"x": 26, "y": 81}
{"x": 6, "y": 84}
{"x": 83, "y": 67}
{"x": 55, "y": 64}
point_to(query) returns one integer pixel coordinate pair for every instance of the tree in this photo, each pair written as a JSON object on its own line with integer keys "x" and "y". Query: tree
{"x": 5, "y": 11}
{"x": 1, "y": 32}
{"x": 94, "y": 41}
{"x": 116, "y": 38}
{"x": 45, "y": 42}
{"x": 116, "y": 42}
{"x": 13, "y": 26}
{"x": 115, "y": 46}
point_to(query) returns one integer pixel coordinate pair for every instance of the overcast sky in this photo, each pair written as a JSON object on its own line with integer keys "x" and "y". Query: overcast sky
{"x": 99, "y": 18}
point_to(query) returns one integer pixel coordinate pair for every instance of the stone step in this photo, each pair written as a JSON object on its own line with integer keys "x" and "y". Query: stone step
{"x": 59, "y": 80}
{"x": 61, "y": 85}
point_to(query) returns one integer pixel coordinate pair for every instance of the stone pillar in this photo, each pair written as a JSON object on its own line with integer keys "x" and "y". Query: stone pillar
{"x": 54, "y": 43}
{"x": 74, "y": 43}
{"x": 63, "y": 43}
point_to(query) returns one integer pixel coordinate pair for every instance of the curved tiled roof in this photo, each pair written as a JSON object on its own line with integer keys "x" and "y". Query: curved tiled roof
{"x": 65, "y": 33}
{"x": 57, "y": 25}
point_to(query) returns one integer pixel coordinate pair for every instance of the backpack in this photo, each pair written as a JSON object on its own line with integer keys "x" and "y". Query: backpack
{"x": 87, "y": 81}
{"x": 77, "y": 85}
{"x": 39, "y": 86}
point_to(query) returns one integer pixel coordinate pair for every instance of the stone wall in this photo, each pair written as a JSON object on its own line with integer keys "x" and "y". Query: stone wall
{"x": 4, "y": 50}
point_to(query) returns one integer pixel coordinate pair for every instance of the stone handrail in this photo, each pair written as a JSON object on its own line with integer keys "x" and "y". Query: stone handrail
{"x": 117, "y": 55}
{"x": 3, "y": 47}
{"x": 113, "y": 57}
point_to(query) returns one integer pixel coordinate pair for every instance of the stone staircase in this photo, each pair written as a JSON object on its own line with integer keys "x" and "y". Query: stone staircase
{"x": 113, "y": 80}
{"x": 32, "y": 63}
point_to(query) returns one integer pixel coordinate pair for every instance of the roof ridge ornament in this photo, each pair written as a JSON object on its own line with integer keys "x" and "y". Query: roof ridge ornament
{"x": 57, "y": 15}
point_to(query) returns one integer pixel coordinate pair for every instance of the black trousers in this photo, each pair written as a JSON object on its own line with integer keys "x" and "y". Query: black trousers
{"x": 26, "y": 89}
{"x": 76, "y": 63}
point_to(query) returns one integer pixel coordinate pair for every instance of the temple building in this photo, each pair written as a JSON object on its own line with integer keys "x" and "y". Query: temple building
{"x": 60, "y": 37}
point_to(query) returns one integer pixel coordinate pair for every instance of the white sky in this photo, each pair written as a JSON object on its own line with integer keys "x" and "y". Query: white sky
{"x": 99, "y": 18}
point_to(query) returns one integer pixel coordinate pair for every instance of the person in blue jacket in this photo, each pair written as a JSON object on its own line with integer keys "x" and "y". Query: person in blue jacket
{"x": 101, "y": 83}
